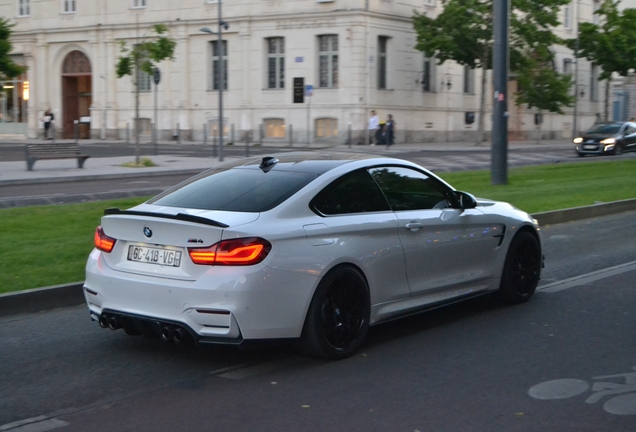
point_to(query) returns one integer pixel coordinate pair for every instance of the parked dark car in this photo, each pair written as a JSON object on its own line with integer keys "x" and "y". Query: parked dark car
{"x": 607, "y": 138}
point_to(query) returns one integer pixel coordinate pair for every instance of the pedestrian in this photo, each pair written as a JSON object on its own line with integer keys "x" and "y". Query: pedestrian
{"x": 48, "y": 120}
{"x": 374, "y": 123}
{"x": 389, "y": 131}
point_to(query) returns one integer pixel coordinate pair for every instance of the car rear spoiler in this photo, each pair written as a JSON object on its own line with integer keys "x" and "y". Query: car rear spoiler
{"x": 178, "y": 216}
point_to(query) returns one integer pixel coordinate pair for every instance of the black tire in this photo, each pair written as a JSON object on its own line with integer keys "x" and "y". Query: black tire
{"x": 338, "y": 317}
{"x": 522, "y": 269}
{"x": 618, "y": 149}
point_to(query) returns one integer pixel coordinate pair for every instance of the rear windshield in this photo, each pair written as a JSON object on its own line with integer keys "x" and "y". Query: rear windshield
{"x": 605, "y": 129}
{"x": 238, "y": 189}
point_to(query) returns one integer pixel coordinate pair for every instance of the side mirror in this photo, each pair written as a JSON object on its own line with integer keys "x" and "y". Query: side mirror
{"x": 465, "y": 200}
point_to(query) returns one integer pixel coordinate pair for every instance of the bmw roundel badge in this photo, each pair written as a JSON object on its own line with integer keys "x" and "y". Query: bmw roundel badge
{"x": 147, "y": 232}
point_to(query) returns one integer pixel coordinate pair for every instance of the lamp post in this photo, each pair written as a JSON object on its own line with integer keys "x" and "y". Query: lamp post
{"x": 222, "y": 25}
{"x": 575, "y": 113}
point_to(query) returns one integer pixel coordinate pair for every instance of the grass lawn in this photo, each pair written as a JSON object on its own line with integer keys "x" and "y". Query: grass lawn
{"x": 49, "y": 245}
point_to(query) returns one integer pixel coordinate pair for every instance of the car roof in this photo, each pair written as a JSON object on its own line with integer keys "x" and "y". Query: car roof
{"x": 301, "y": 161}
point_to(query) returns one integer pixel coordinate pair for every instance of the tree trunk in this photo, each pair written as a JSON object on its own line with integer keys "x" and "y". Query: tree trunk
{"x": 482, "y": 106}
{"x": 137, "y": 144}
{"x": 607, "y": 91}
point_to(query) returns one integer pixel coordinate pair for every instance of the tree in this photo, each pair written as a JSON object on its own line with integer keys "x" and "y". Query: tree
{"x": 542, "y": 87}
{"x": 8, "y": 69}
{"x": 463, "y": 32}
{"x": 143, "y": 57}
{"x": 610, "y": 45}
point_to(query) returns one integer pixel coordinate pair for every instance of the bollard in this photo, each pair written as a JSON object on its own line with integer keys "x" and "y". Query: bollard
{"x": 178, "y": 134}
{"x": 205, "y": 135}
{"x": 291, "y": 133}
{"x": 260, "y": 132}
{"x": 76, "y": 131}
{"x": 247, "y": 143}
{"x": 153, "y": 134}
{"x": 127, "y": 133}
{"x": 214, "y": 149}
{"x": 349, "y": 135}
{"x": 233, "y": 137}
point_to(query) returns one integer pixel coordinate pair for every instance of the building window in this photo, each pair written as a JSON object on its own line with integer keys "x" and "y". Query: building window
{"x": 428, "y": 75}
{"x": 328, "y": 61}
{"x": 594, "y": 83}
{"x": 213, "y": 127}
{"x": 214, "y": 84}
{"x": 143, "y": 81}
{"x": 276, "y": 63}
{"x": 596, "y": 17}
{"x": 326, "y": 127}
{"x": 567, "y": 16}
{"x": 138, "y": 4}
{"x": 68, "y": 6}
{"x": 274, "y": 128}
{"x": 567, "y": 66}
{"x": 24, "y": 8}
{"x": 383, "y": 42}
{"x": 429, "y": 2}
{"x": 469, "y": 80}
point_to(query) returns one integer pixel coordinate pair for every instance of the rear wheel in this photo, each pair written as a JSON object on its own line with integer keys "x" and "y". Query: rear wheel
{"x": 338, "y": 317}
{"x": 522, "y": 268}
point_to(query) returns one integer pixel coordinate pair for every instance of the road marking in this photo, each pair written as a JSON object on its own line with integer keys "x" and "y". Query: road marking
{"x": 587, "y": 278}
{"x": 33, "y": 424}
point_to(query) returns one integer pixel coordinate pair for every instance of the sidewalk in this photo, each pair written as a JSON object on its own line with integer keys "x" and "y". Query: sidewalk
{"x": 99, "y": 167}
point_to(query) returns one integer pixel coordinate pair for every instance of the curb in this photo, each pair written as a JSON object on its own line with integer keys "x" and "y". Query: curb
{"x": 67, "y": 295}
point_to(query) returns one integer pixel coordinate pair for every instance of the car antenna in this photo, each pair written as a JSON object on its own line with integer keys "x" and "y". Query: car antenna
{"x": 268, "y": 163}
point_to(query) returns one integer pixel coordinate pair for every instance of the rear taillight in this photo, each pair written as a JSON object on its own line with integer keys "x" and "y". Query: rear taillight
{"x": 244, "y": 251}
{"x": 102, "y": 241}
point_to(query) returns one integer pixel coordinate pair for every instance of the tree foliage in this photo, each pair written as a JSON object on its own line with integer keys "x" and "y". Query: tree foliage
{"x": 463, "y": 32}
{"x": 8, "y": 69}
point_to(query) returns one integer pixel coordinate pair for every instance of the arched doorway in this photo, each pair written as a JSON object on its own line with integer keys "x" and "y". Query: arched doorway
{"x": 77, "y": 97}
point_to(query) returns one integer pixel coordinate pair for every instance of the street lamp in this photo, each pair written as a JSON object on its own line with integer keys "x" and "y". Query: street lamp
{"x": 222, "y": 25}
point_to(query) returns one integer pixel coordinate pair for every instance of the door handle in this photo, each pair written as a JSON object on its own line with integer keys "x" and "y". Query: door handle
{"x": 413, "y": 226}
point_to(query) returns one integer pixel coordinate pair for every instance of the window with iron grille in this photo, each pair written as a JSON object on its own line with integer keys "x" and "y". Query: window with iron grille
{"x": 68, "y": 6}
{"x": 469, "y": 80}
{"x": 276, "y": 63}
{"x": 428, "y": 75}
{"x": 328, "y": 61}
{"x": 274, "y": 128}
{"x": 24, "y": 7}
{"x": 383, "y": 42}
{"x": 137, "y": 4}
{"x": 594, "y": 83}
{"x": 567, "y": 16}
{"x": 143, "y": 81}
{"x": 216, "y": 67}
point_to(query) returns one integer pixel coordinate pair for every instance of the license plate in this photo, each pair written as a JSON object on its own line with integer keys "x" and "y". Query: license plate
{"x": 152, "y": 255}
{"x": 590, "y": 147}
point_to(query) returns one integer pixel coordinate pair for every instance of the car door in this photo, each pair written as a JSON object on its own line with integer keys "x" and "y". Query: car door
{"x": 361, "y": 228}
{"x": 630, "y": 138}
{"x": 444, "y": 247}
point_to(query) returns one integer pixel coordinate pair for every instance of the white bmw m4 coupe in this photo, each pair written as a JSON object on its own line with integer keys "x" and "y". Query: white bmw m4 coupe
{"x": 307, "y": 247}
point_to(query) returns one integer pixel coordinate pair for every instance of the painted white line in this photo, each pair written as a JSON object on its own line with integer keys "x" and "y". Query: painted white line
{"x": 587, "y": 278}
{"x": 34, "y": 424}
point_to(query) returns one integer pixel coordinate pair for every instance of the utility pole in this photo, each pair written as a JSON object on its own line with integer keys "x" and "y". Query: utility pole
{"x": 499, "y": 150}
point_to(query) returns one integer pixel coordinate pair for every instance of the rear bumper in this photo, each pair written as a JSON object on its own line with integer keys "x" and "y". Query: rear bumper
{"x": 226, "y": 305}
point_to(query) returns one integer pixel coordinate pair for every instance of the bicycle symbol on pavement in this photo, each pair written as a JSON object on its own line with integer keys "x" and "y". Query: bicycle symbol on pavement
{"x": 622, "y": 404}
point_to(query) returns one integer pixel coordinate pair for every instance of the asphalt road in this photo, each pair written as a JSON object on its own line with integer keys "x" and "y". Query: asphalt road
{"x": 556, "y": 363}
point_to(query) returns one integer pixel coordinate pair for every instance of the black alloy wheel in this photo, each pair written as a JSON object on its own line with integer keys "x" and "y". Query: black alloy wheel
{"x": 338, "y": 317}
{"x": 522, "y": 268}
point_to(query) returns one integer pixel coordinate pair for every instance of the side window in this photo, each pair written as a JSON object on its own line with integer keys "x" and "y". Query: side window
{"x": 355, "y": 192}
{"x": 408, "y": 189}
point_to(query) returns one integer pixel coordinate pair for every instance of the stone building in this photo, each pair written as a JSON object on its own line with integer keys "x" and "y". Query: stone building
{"x": 357, "y": 55}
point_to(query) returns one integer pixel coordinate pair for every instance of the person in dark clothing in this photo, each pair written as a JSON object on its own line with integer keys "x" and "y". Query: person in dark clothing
{"x": 389, "y": 131}
{"x": 47, "y": 119}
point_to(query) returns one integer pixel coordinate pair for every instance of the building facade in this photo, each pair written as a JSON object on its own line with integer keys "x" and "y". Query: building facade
{"x": 356, "y": 55}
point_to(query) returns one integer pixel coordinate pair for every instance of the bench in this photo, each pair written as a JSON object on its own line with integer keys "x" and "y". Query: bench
{"x": 35, "y": 152}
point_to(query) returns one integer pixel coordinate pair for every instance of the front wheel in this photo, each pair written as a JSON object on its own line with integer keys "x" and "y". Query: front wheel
{"x": 522, "y": 268}
{"x": 338, "y": 317}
